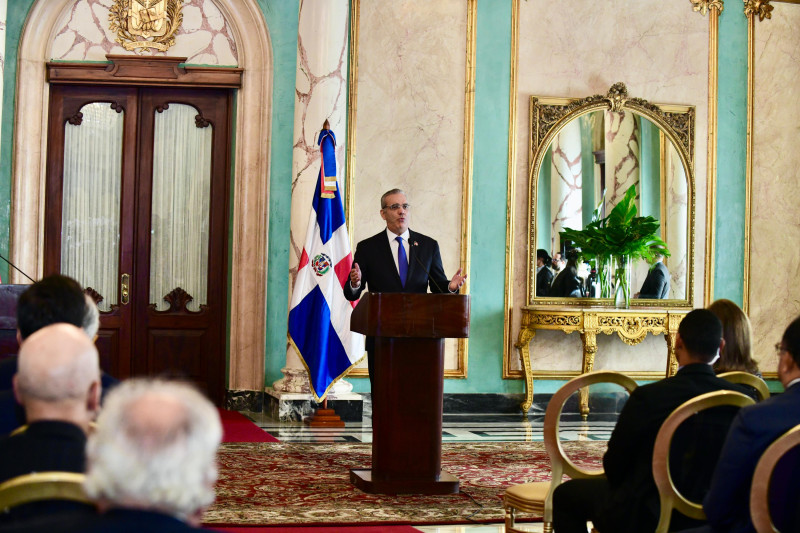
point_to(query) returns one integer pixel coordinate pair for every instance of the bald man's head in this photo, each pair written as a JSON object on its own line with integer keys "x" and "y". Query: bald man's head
{"x": 57, "y": 363}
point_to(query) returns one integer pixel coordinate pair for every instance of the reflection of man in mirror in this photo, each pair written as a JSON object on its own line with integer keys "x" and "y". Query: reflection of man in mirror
{"x": 544, "y": 276}
{"x": 656, "y": 284}
{"x": 557, "y": 263}
{"x": 567, "y": 284}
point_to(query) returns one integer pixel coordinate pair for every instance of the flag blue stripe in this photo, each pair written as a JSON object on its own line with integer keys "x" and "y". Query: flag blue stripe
{"x": 330, "y": 213}
{"x": 320, "y": 347}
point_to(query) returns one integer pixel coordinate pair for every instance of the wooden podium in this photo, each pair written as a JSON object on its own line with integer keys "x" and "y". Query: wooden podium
{"x": 409, "y": 331}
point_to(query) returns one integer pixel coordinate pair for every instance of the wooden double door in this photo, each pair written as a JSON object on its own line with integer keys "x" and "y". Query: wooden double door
{"x": 137, "y": 203}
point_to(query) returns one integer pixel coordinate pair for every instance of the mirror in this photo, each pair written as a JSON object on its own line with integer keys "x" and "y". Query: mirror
{"x": 585, "y": 154}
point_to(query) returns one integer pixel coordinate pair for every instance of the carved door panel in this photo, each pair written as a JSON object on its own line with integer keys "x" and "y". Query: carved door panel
{"x": 137, "y": 210}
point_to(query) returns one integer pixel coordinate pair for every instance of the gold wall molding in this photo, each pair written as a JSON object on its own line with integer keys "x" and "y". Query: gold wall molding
{"x": 715, "y": 9}
{"x": 704, "y": 6}
{"x": 468, "y": 147}
{"x": 760, "y": 8}
{"x": 508, "y": 302}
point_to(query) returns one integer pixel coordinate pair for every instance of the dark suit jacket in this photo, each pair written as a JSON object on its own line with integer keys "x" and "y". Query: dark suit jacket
{"x": 112, "y": 521}
{"x": 633, "y": 504}
{"x": 44, "y": 446}
{"x": 543, "y": 280}
{"x": 567, "y": 284}
{"x": 727, "y": 504}
{"x": 656, "y": 284}
{"x": 379, "y": 273}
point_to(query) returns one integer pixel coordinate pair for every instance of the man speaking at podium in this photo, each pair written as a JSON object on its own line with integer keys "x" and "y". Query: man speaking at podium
{"x": 397, "y": 260}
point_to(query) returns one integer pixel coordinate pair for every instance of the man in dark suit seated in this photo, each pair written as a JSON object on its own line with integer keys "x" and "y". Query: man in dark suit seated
{"x": 656, "y": 284}
{"x": 626, "y": 499}
{"x": 727, "y": 504}
{"x": 397, "y": 260}
{"x": 544, "y": 276}
{"x": 58, "y": 385}
{"x": 51, "y": 300}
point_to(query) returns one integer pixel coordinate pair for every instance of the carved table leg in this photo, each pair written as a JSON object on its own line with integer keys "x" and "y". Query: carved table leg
{"x": 525, "y": 337}
{"x": 589, "y": 339}
{"x": 672, "y": 361}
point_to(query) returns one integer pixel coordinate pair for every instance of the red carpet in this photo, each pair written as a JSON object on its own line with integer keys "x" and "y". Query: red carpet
{"x": 292, "y": 485}
{"x": 335, "y": 529}
{"x": 238, "y": 428}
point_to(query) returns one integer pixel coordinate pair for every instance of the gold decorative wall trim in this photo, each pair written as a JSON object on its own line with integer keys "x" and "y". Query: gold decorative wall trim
{"x": 352, "y": 101}
{"x": 752, "y": 9}
{"x": 508, "y": 310}
{"x": 468, "y": 145}
{"x": 715, "y": 9}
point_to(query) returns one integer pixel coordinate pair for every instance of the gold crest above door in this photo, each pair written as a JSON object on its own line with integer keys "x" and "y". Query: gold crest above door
{"x": 142, "y": 25}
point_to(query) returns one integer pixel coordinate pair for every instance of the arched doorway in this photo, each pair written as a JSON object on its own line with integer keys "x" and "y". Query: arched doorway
{"x": 251, "y": 158}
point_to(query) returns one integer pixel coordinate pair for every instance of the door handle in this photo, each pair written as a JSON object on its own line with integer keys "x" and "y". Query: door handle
{"x": 125, "y": 289}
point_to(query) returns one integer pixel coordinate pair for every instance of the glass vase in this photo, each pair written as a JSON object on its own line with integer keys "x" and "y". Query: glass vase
{"x": 605, "y": 273}
{"x": 622, "y": 281}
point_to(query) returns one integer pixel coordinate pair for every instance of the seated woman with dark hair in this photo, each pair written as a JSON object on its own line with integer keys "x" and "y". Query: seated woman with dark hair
{"x": 567, "y": 284}
{"x": 737, "y": 353}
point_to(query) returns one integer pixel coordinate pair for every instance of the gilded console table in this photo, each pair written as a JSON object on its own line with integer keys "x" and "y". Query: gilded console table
{"x": 631, "y": 325}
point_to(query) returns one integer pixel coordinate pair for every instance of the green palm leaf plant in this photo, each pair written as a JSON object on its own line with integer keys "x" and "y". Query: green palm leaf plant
{"x": 622, "y": 235}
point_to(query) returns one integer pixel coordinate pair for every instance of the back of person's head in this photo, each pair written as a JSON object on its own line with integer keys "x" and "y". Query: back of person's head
{"x": 154, "y": 448}
{"x": 573, "y": 254}
{"x": 50, "y": 300}
{"x": 737, "y": 352}
{"x": 543, "y": 255}
{"x": 701, "y": 333}
{"x": 91, "y": 318}
{"x": 791, "y": 340}
{"x": 57, "y": 364}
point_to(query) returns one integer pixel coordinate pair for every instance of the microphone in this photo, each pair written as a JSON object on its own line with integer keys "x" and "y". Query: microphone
{"x": 415, "y": 243}
{"x": 17, "y": 269}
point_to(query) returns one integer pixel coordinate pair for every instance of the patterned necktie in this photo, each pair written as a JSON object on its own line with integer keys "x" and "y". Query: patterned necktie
{"x": 402, "y": 261}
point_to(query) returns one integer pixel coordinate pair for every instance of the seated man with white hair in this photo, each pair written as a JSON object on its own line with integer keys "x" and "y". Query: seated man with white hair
{"x": 151, "y": 462}
{"x": 58, "y": 385}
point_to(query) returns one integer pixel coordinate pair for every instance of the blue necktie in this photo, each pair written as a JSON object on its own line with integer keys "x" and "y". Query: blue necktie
{"x": 402, "y": 261}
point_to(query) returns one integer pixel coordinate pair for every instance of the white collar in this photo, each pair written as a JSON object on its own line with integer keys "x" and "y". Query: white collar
{"x": 392, "y": 235}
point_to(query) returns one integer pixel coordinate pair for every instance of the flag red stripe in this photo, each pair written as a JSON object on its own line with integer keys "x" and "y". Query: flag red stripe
{"x": 303, "y": 260}
{"x": 342, "y": 270}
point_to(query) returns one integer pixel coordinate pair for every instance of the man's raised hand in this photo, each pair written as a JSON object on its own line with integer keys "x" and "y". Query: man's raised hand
{"x": 355, "y": 276}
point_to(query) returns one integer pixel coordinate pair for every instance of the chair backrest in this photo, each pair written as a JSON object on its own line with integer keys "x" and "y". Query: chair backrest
{"x": 42, "y": 486}
{"x": 560, "y": 463}
{"x": 669, "y": 496}
{"x": 759, "y": 491}
{"x": 746, "y": 378}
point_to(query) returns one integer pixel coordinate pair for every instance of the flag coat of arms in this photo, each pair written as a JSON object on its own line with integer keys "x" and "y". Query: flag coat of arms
{"x": 319, "y": 315}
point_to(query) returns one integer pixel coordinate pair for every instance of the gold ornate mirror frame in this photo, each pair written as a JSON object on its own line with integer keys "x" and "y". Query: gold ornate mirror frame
{"x": 549, "y": 116}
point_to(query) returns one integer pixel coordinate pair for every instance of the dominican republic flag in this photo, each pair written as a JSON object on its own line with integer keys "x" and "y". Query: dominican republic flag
{"x": 319, "y": 317}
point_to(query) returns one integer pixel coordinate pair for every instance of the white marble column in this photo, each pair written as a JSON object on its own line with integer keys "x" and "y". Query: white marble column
{"x": 674, "y": 228}
{"x": 622, "y": 155}
{"x": 321, "y": 94}
{"x": 566, "y": 181}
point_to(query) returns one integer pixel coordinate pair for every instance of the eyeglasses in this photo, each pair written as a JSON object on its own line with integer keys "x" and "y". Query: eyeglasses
{"x": 779, "y": 348}
{"x": 395, "y": 207}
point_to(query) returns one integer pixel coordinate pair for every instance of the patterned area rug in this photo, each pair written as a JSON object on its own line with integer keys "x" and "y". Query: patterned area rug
{"x": 283, "y": 483}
